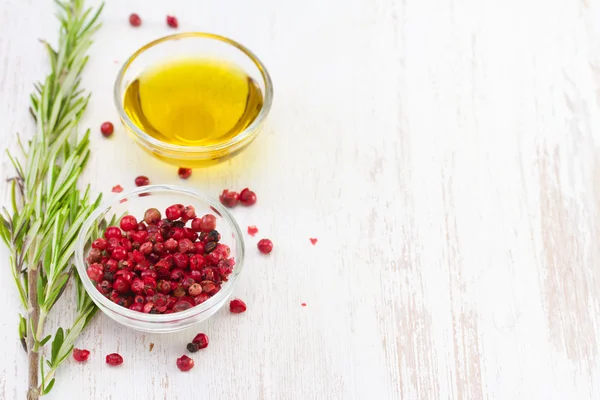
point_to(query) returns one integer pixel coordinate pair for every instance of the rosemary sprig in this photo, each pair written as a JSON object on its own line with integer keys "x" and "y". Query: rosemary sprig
{"x": 47, "y": 209}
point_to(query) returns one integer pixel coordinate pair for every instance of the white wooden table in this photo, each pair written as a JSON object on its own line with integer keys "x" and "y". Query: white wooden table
{"x": 444, "y": 153}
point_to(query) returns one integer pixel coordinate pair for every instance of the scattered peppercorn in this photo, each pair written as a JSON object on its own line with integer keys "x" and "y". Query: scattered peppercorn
{"x": 117, "y": 189}
{"x": 135, "y": 20}
{"x": 229, "y": 198}
{"x": 184, "y": 363}
{"x": 237, "y": 306}
{"x": 265, "y": 246}
{"x": 80, "y": 355}
{"x": 313, "y": 241}
{"x": 247, "y": 197}
{"x": 107, "y": 129}
{"x": 114, "y": 359}
{"x": 201, "y": 340}
{"x": 252, "y": 230}
{"x": 184, "y": 173}
{"x": 142, "y": 181}
{"x": 172, "y": 21}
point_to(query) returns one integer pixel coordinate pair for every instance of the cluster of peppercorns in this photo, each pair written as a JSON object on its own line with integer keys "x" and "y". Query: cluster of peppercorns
{"x": 230, "y": 198}
{"x": 135, "y": 20}
{"x": 246, "y": 197}
{"x": 184, "y": 363}
{"x": 160, "y": 266}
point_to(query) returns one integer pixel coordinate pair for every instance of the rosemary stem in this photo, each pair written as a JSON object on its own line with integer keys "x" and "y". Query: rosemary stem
{"x": 32, "y": 342}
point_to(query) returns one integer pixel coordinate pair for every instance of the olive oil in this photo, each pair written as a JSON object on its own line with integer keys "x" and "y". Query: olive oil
{"x": 193, "y": 102}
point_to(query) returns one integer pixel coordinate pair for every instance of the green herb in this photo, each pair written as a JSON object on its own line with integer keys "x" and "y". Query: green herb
{"x": 47, "y": 209}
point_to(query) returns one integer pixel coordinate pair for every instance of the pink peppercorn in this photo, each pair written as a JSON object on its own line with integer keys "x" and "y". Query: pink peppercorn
{"x": 114, "y": 359}
{"x": 237, "y": 306}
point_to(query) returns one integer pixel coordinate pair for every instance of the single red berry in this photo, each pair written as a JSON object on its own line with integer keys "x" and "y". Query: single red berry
{"x": 265, "y": 246}
{"x": 149, "y": 283}
{"x": 139, "y": 236}
{"x": 119, "y": 253}
{"x": 171, "y": 245}
{"x": 197, "y": 261}
{"x": 172, "y": 21}
{"x": 174, "y": 212}
{"x": 184, "y": 173}
{"x": 125, "y": 274}
{"x": 196, "y": 275}
{"x": 247, "y": 197}
{"x": 142, "y": 181}
{"x": 107, "y": 129}
{"x": 81, "y": 355}
{"x": 114, "y": 359}
{"x": 113, "y": 232}
{"x": 223, "y": 249}
{"x": 135, "y": 20}
{"x": 146, "y": 248}
{"x": 201, "y": 340}
{"x": 303, "y": 304}
{"x": 214, "y": 257}
{"x": 178, "y": 233}
{"x": 117, "y": 189}
{"x": 126, "y": 243}
{"x": 190, "y": 234}
{"x": 237, "y": 306}
{"x": 207, "y": 223}
{"x": 137, "y": 286}
{"x": 252, "y": 230}
{"x": 95, "y": 272}
{"x": 313, "y": 240}
{"x": 112, "y": 265}
{"x": 128, "y": 223}
{"x": 105, "y": 286}
{"x": 139, "y": 307}
{"x": 138, "y": 257}
{"x": 184, "y": 363}
{"x": 121, "y": 285}
{"x": 186, "y": 246}
{"x": 180, "y": 260}
{"x": 99, "y": 244}
{"x": 229, "y": 198}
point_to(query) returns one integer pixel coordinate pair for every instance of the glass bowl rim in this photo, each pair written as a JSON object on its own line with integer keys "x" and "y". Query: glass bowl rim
{"x": 100, "y": 300}
{"x": 190, "y": 150}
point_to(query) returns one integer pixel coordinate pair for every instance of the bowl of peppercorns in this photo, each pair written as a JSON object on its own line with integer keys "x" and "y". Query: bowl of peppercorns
{"x": 160, "y": 258}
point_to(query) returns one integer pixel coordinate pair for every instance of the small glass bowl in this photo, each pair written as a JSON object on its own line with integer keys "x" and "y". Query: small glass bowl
{"x": 160, "y": 197}
{"x": 185, "y": 45}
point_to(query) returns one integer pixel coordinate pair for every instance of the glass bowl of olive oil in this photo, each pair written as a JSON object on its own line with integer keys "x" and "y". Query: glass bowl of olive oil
{"x": 192, "y": 99}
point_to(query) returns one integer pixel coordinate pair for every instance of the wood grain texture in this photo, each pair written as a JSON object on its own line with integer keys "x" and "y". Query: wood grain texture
{"x": 444, "y": 153}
